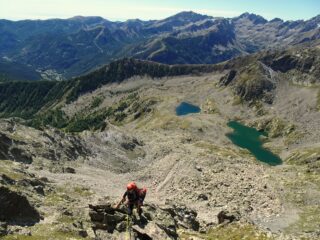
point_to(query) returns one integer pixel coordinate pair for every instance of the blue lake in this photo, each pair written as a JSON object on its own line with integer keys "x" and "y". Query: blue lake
{"x": 250, "y": 139}
{"x": 186, "y": 108}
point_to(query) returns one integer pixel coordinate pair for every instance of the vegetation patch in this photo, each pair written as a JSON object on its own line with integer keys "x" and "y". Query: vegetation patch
{"x": 230, "y": 232}
{"x": 292, "y": 137}
{"x": 275, "y": 127}
{"x": 219, "y": 151}
{"x": 47, "y": 231}
{"x": 55, "y": 118}
{"x": 82, "y": 191}
{"x": 96, "y": 102}
{"x": 25, "y": 99}
{"x": 8, "y": 168}
{"x": 166, "y": 122}
{"x": 303, "y": 191}
{"x": 55, "y": 198}
{"x": 237, "y": 100}
{"x": 93, "y": 121}
{"x": 130, "y": 105}
{"x": 252, "y": 84}
{"x": 309, "y": 157}
{"x": 258, "y": 108}
{"x": 123, "y": 69}
{"x": 309, "y": 220}
{"x": 67, "y": 193}
{"x": 210, "y": 107}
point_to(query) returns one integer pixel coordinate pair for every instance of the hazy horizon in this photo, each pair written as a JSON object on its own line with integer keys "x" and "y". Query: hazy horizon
{"x": 123, "y": 20}
{"x": 123, "y": 10}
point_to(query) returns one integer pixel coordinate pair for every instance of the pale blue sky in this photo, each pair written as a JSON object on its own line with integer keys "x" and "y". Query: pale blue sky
{"x": 156, "y": 9}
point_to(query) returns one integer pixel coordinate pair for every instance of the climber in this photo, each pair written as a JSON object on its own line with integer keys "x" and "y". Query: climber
{"x": 135, "y": 197}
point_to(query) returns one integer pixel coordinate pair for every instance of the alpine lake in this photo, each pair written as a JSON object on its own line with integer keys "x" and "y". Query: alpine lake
{"x": 242, "y": 136}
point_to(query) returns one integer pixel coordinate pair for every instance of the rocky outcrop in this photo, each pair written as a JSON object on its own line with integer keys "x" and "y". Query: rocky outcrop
{"x": 184, "y": 217}
{"x": 228, "y": 217}
{"x": 228, "y": 78}
{"x": 156, "y": 222}
{"x": 255, "y": 82}
{"x": 301, "y": 65}
{"x": 9, "y": 149}
{"x": 34, "y": 185}
{"x": 4, "y": 179}
{"x": 121, "y": 150}
{"x": 69, "y": 170}
{"x": 251, "y": 81}
{"x": 3, "y": 229}
{"x": 23, "y": 144}
{"x": 16, "y": 209}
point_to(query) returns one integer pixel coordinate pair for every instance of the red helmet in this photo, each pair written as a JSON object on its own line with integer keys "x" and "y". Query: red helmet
{"x": 131, "y": 186}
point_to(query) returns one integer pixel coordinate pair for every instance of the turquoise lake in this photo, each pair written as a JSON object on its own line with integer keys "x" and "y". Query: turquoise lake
{"x": 250, "y": 138}
{"x": 186, "y": 108}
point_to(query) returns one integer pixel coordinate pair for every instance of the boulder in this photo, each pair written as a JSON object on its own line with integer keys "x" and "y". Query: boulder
{"x": 34, "y": 184}
{"x": 151, "y": 231}
{"x": 3, "y": 228}
{"x": 9, "y": 149}
{"x": 39, "y": 190}
{"x": 183, "y": 216}
{"x": 155, "y": 223}
{"x": 15, "y": 208}
{"x": 164, "y": 217}
{"x": 4, "y": 179}
{"x": 69, "y": 170}
{"x": 21, "y": 155}
{"x": 105, "y": 217}
{"x": 202, "y": 197}
{"x": 228, "y": 217}
{"x": 30, "y": 182}
{"x": 83, "y": 233}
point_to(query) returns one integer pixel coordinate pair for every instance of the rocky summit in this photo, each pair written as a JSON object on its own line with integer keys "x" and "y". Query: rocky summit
{"x": 68, "y": 148}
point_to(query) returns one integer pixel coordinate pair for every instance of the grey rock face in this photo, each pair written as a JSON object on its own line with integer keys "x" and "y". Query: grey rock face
{"x": 155, "y": 223}
{"x": 228, "y": 78}
{"x": 15, "y": 208}
{"x": 23, "y": 144}
{"x": 9, "y": 150}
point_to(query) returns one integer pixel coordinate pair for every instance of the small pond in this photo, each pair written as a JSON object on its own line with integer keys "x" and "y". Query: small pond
{"x": 250, "y": 139}
{"x": 186, "y": 108}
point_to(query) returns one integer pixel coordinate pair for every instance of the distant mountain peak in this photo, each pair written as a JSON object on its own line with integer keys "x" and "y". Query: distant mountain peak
{"x": 276, "y": 20}
{"x": 134, "y": 20}
{"x": 189, "y": 15}
{"x": 74, "y": 46}
{"x": 256, "y": 19}
{"x": 87, "y": 18}
{"x": 80, "y": 17}
{"x": 316, "y": 19}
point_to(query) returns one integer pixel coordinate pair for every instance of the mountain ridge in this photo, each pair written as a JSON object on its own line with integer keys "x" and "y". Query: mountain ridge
{"x": 34, "y": 95}
{"x": 299, "y": 62}
{"x": 70, "y": 47}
